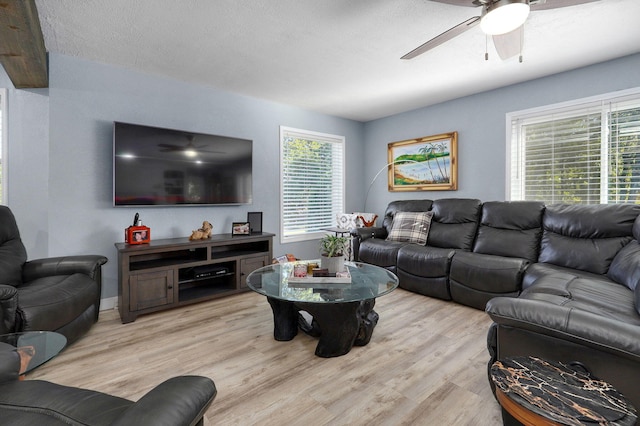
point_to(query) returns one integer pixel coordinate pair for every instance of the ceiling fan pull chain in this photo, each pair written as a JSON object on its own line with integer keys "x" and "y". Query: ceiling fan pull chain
{"x": 521, "y": 41}
{"x": 486, "y": 47}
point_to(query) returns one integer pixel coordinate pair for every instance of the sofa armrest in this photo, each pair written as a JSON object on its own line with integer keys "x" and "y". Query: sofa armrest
{"x": 178, "y": 401}
{"x": 371, "y": 232}
{"x": 361, "y": 234}
{"x": 566, "y": 323}
{"x": 8, "y": 308}
{"x": 84, "y": 264}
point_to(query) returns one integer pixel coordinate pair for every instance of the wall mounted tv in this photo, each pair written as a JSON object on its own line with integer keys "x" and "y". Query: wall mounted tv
{"x": 163, "y": 167}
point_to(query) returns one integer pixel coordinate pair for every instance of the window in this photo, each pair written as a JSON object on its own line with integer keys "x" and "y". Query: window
{"x": 586, "y": 152}
{"x": 312, "y": 183}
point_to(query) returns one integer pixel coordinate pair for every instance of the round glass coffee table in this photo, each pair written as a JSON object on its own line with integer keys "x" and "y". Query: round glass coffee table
{"x": 35, "y": 347}
{"x": 342, "y": 312}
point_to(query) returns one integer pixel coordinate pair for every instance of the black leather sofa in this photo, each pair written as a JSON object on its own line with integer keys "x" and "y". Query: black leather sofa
{"x": 559, "y": 281}
{"x": 55, "y": 294}
{"x": 178, "y": 401}
{"x": 475, "y": 251}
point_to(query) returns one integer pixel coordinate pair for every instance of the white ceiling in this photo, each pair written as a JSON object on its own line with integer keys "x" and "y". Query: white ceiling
{"x": 339, "y": 57}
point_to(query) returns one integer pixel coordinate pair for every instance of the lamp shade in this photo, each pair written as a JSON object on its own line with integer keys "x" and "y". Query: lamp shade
{"x": 504, "y": 16}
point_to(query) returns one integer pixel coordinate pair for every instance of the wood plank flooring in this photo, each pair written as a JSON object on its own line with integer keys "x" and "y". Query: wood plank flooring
{"x": 425, "y": 364}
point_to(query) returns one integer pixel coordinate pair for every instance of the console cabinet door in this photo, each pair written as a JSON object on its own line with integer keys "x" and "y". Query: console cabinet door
{"x": 151, "y": 289}
{"x": 248, "y": 265}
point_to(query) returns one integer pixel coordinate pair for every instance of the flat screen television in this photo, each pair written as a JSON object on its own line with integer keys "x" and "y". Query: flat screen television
{"x": 163, "y": 167}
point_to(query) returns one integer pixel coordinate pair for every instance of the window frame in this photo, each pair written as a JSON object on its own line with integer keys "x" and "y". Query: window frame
{"x": 312, "y": 135}
{"x": 571, "y": 109}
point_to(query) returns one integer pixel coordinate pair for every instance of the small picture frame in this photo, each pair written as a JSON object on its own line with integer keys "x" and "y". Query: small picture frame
{"x": 240, "y": 228}
{"x": 137, "y": 235}
{"x": 255, "y": 222}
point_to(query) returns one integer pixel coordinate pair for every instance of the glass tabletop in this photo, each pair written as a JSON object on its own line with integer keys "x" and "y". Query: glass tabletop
{"x": 367, "y": 282}
{"x": 35, "y": 347}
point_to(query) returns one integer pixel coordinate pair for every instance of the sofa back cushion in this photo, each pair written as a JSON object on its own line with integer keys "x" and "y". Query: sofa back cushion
{"x": 403, "y": 206}
{"x": 511, "y": 229}
{"x": 586, "y": 237}
{"x": 454, "y": 223}
{"x": 625, "y": 268}
{"x": 12, "y": 252}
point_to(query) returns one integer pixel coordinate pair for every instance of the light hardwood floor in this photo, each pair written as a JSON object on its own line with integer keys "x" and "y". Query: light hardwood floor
{"x": 425, "y": 364}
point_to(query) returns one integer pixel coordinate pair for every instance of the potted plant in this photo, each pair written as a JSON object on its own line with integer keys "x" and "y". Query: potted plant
{"x": 332, "y": 249}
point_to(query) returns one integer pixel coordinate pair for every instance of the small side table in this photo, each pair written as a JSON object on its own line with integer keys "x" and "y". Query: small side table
{"x": 340, "y": 233}
{"x": 538, "y": 392}
{"x": 35, "y": 347}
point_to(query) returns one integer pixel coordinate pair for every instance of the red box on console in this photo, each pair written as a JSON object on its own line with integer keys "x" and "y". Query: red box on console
{"x": 137, "y": 235}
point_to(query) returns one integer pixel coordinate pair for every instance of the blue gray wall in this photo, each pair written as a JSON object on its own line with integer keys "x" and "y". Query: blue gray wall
{"x": 60, "y": 169}
{"x": 60, "y": 157}
{"x": 480, "y": 123}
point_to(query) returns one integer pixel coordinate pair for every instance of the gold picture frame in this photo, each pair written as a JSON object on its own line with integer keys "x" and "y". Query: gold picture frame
{"x": 428, "y": 163}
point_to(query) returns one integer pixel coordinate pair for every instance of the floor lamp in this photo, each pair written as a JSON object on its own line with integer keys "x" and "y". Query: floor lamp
{"x": 386, "y": 166}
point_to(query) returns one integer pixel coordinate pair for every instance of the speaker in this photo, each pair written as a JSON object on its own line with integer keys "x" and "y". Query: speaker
{"x": 255, "y": 222}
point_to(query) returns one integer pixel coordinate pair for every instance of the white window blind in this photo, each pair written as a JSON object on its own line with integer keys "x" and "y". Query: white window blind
{"x": 312, "y": 182}
{"x": 587, "y": 153}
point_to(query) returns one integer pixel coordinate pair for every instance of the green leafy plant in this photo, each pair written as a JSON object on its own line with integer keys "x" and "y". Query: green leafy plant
{"x": 333, "y": 246}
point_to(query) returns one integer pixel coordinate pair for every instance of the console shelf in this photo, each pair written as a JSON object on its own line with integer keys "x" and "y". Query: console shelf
{"x": 169, "y": 273}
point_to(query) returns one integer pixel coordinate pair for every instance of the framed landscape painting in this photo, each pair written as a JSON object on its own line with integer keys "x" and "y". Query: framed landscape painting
{"x": 429, "y": 163}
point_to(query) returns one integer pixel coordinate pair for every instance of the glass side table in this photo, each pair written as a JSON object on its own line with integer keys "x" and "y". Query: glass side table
{"x": 35, "y": 347}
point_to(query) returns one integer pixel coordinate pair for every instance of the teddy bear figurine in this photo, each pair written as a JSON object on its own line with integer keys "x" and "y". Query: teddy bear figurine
{"x": 202, "y": 233}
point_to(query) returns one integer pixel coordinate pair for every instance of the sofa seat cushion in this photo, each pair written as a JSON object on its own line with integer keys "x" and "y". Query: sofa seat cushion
{"x": 380, "y": 252}
{"x": 601, "y": 297}
{"x": 487, "y": 273}
{"x": 538, "y": 270}
{"x": 49, "y": 303}
{"x": 424, "y": 261}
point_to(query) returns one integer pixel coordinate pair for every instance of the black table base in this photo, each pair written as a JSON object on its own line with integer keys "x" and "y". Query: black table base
{"x": 339, "y": 326}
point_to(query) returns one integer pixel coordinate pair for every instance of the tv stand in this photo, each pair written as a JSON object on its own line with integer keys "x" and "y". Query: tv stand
{"x": 169, "y": 273}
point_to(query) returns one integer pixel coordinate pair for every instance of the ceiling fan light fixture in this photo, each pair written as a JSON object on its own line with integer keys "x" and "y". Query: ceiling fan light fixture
{"x": 503, "y": 16}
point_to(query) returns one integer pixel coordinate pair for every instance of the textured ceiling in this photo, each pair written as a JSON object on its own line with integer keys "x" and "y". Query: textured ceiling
{"x": 340, "y": 57}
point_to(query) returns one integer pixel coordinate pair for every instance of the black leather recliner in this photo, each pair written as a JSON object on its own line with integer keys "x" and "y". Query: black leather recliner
{"x": 55, "y": 294}
{"x": 178, "y": 401}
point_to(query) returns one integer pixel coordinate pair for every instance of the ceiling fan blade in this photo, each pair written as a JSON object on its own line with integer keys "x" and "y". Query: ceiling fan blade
{"x": 169, "y": 146}
{"x": 555, "y": 4}
{"x": 445, "y": 36}
{"x": 468, "y": 3}
{"x": 509, "y": 44}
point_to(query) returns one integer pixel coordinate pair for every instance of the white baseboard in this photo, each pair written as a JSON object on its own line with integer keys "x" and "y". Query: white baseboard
{"x": 108, "y": 303}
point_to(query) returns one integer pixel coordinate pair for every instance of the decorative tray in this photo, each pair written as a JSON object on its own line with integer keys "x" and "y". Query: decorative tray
{"x": 312, "y": 281}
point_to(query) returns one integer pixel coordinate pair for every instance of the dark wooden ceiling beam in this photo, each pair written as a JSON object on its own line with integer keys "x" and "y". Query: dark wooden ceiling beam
{"x": 22, "y": 51}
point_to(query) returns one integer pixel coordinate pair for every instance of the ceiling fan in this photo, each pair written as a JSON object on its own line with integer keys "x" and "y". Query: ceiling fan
{"x": 501, "y": 19}
{"x": 190, "y": 149}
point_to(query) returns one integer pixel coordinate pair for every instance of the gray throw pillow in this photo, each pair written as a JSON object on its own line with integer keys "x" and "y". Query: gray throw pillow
{"x": 410, "y": 227}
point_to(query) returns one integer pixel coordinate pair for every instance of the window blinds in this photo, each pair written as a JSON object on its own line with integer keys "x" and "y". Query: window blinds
{"x": 587, "y": 153}
{"x": 312, "y": 181}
